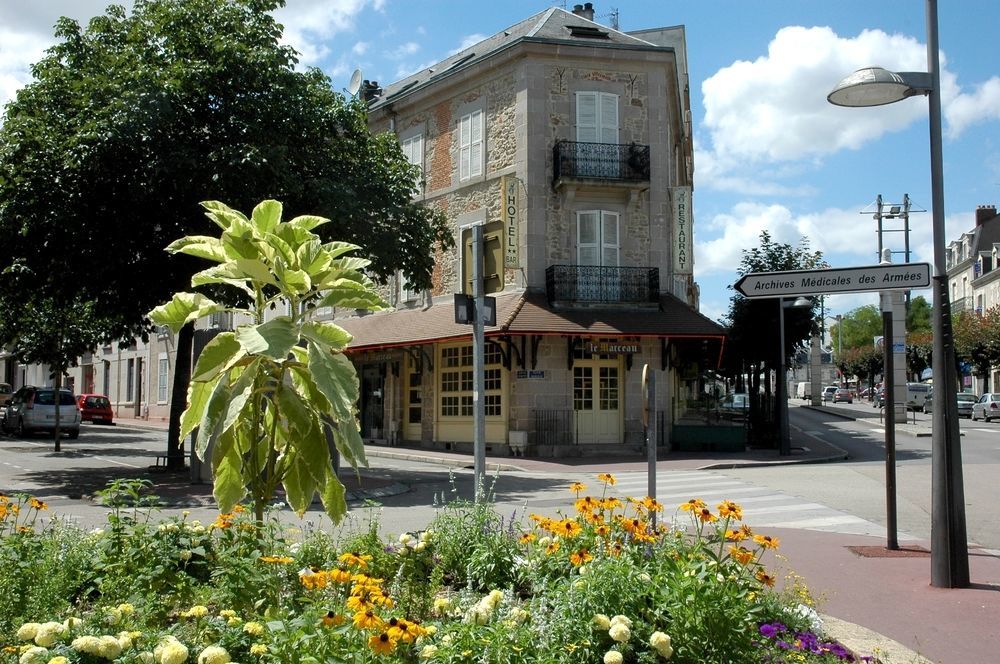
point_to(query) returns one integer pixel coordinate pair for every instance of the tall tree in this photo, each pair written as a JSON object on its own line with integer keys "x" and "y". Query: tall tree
{"x": 133, "y": 120}
{"x": 918, "y": 315}
{"x": 753, "y": 324}
{"x": 977, "y": 341}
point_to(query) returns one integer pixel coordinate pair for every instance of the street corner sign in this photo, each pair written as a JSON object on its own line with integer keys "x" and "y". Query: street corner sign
{"x": 866, "y": 279}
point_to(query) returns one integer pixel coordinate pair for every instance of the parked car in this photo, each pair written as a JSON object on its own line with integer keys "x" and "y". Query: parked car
{"x": 735, "y": 406}
{"x": 843, "y": 395}
{"x": 5, "y": 394}
{"x": 965, "y": 401}
{"x": 829, "y": 391}
{"x": 95, "y": 408}
{"x": 33, "y": 409}
{"x": 988, "y": 407}
{"x": 917, "y": 395}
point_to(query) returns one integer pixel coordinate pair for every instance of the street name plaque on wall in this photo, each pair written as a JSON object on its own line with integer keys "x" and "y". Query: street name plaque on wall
{"x": 867, "y": 279}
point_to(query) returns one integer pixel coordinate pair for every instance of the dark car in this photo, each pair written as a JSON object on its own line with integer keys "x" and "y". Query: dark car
{"x": 32, "y": 409}
{"x": 843, "y": 395}
{"x": 95, "y": 408}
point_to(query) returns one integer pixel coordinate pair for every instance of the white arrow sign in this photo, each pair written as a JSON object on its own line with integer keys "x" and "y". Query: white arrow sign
{"x": 871, "y": 278}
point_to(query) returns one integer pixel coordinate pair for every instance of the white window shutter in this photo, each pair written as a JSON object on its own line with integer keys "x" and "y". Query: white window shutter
{"x": 587, "y": 240}
{"x": 610, "y": 244}
{"x": 609, "y": 118}
{"x": 586, "y": 117}
{"x": 464, "y": 141}
{"x": 476, "y": 152}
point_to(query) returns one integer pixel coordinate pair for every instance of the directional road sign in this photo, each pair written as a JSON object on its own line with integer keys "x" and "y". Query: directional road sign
{"x": 870, "y": 278}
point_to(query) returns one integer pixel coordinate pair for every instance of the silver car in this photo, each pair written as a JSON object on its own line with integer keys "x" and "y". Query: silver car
{"x": 32, "y": 409}
{"x": 965, "y": 402}
{"x": 988, "y": 407}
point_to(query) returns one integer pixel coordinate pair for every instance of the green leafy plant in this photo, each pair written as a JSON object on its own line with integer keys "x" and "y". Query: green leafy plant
{"x": 266, "y": 397}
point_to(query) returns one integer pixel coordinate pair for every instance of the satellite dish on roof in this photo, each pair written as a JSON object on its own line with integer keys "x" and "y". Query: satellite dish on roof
{"x": 355, "y": 84}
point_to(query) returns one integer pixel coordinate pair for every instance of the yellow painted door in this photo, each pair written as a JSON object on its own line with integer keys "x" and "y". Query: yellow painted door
{"x": 597, "y": 401}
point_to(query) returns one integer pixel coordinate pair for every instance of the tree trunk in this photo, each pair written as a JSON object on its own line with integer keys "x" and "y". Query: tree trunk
{"x": 178, "y": 397}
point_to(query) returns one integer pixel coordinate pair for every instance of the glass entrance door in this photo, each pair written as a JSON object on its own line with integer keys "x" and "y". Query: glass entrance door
{"x": 597, "y": 401}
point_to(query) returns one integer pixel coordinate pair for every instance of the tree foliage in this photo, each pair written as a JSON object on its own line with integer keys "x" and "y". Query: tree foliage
{"x": 977, "y": 341}
{"x": 132, "y": 121}
{"x": 264, "y": 397}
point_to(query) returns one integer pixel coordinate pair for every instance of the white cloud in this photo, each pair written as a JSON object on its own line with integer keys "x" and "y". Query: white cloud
{"x": 310, "y": 24}
{"x": 404, "y": 50}
{"x": 468, "y": 41}
{"x": 360, "y": 48}
{"x": 966, "y": 109}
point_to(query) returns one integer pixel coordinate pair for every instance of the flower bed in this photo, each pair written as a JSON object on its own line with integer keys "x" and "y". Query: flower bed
{"x": 607, "y": 582}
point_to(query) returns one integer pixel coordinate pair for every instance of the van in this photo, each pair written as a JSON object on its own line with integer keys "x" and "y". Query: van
{"x": 803, "y": 390}
{"x": 916, "y": 395}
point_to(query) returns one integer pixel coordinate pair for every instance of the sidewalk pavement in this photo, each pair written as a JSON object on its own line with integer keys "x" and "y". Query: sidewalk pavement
{"x": 874, "y": 600}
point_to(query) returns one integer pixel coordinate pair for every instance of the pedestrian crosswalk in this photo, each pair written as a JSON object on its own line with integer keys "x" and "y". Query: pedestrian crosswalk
{"x": 762, "y": 507}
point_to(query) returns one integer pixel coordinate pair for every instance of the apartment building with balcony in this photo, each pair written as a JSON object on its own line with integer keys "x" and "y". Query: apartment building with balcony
{"x": 973, "y": 268}
{"x": 570, "y": 143}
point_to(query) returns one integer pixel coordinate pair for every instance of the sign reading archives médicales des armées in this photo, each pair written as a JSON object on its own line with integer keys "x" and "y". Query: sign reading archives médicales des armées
{"x": 867, "y": 279}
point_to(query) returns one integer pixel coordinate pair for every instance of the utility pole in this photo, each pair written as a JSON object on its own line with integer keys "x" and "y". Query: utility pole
{"x": 478, "y": 365}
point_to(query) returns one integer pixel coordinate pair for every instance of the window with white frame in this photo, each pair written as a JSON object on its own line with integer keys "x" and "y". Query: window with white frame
{"x": 470, "y": 145}
{"x": 130, "y": 380}
{"x": 596, "y": 117}
{"x": 413, "y": 150}
{"x": 162, "y": 379}
{"x": 406, "y": 295}
{"x": 597, "y": 239}
{"x": 457, "y": 381}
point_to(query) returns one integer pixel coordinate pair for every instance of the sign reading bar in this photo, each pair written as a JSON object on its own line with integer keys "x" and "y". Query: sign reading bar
{"x": 871, "y": 278}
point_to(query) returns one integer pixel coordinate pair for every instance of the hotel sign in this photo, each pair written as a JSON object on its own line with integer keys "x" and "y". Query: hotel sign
{"x": 680, "y": 206}
{"x": 510, "y": 209}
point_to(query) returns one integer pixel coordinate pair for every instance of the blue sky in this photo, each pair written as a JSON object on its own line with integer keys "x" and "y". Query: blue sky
{"x": 771, "y": 153}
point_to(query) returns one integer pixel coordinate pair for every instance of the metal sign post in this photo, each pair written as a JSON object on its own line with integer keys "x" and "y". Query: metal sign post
{"x": 478, "y": 366}
{"x": 649, "y": 424}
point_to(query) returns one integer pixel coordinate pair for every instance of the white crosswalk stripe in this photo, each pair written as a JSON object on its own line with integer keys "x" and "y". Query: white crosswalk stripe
{"x": 762, "y": 507}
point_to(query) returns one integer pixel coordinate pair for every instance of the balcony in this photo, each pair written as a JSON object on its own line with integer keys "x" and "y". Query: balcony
{"x": 600, "y": 161}
{"x": 597, "y": 284}
{"x": 958, "y": 305}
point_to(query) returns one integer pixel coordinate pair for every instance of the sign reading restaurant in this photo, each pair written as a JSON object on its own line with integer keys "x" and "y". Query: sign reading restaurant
{"x": 871, "y": 278}
{"x": 680, "y": 203}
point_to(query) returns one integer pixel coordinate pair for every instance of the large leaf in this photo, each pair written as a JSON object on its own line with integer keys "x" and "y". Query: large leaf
{"x": 328, "y": 336}
{"x": 314, "y": 450}
{"x": 308, "y": 221}
{"x": 240, "y": 246}
{"x": 229, "y": 485}
{"x": 223, "y": 215}
{"x": 201, "y": 246}
{"x": 332, "y": 495}
{"x": 256, "y": 270}
{"x": 295, "y": 411}
{"x": 219, "y": 354}
{"x": 336, "y": 379}
{"x": 240, "y": 394}
{"x": 266, "y": 216}
{"x": 348, "y": 294}
{"x": 300, "y": 485}
{"x": 226, "y": 273}
{"x": 280, "y": 249}
{"x": 306, "y": 386}
{"x": 214, "y": 415}
{"x": 337, "y": 249}
{"x": 275, "y": 338}
{"x": 312, "y": 259}
{"x": 348, "y": 440}
{"x": 198, "y": 395}
{"x": 182, "y": 309}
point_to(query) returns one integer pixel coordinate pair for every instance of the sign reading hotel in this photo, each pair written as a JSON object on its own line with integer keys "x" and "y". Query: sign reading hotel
{"x": 872, "y": 278}
{"x": 680, "y": 204}
{"x": 510, "y": 204}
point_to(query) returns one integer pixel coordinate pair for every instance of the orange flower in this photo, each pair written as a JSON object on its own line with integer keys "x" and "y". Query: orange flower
{"x": 616, "y": 548}
{"x": 765, "y": 578}
{"x": 652, "y": 504}
{"x": 568, "y": 528}
{"x": 693, "y": 505}
{"x": 610, "y": 504}
{"x": 602, "y": 530}
{"x": 381, "y": 644}
{"x": 355, "y": 560}
{"x": 728, "y": 508}
{"x": 766, "y": 541}
{"x": 608, "y": 479}
{"x": 577, "y": 487}
{"x": 332, "y": 619}
{"x": 552, "y": 547}
{"x": 741, "y": 555}
{"x": 339, "y": 576}
{"x": 586, "y": 505}
{"x": 526, "y": 538}
{"x": 705, "y": 515}
{"x": 280, "y": 560}
{"x": 580, "y": 557}
{"x": 401, "y": 630}
{"x": 367, "y": 620}
{"x": 314, "y": 580}
{"x": 633, "y": 525}
{"x": 644, "y": 535}
{"x": 37, "y": 504}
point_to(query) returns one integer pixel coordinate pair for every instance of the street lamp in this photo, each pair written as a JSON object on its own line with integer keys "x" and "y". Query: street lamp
{"x": 781, "y": 387}
{"x": 874, "y": 86}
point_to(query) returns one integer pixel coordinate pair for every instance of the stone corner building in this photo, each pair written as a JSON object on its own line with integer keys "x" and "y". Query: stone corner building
{"x": 570, "y": 143}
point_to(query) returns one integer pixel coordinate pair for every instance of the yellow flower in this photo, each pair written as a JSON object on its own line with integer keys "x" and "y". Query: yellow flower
{"x": 729, "y": 509}
{"x": 258, "y": 649}
{"x": 253, "y": 628}
{"x": 652, "y": 504}
{"x": 740, "y": 555}
{"x": 526, "y": 538}
{"x": 766, "y": 541}
{"x": 552, "y": 547}
{"x": 196, "y": 611}
{"x": 281, "y": 560}
{"x": 613, "y": 657}
{"x": 765, "y": 578}
{"x": 59, "y": 659}
{"x": 367, "y": 620}
{"x": 568, "y": 528}
{"x": 402, "y": 630}
{"x": 37, "y": 504}
{"x": 577, "y": 487}
{"x": 705, "y": 515}
{"x": 580, "y": 557}
{"x": 355, "y": 560}
{"x": 586, "y": 504}
{"x": 608, "y": 479}
{"x": 381, "y": 644}
{"x": 332, "y": 619}
{"x": 214, "y": 655}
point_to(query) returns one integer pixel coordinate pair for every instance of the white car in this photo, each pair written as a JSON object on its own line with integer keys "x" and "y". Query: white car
{"x": 33, "y": 409}
{"x": 829, "y": 391}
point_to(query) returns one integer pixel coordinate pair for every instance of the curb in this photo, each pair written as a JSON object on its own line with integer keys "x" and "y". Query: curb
{"x": 864, "y": 641}
{"x": 911, "y": 430}
{"x": 441, "y": 461}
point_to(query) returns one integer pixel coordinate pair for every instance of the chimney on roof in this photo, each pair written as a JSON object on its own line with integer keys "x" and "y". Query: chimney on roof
{"x": 370, "y": 90}
{"x": 585, "y": 10}
{"x": 984, "y": 213}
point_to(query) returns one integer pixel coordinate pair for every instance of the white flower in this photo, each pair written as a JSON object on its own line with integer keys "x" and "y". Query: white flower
{"x": 112, "y": 616}
{"x": 146, "y": 657}
{"x": 613, "y": 657}
{"x": 48, "y": 634}
{"x": 661, "y": 643}
{"x": 185, "y": 555}
{"x": 428, "y": 651}
{"x": 214, "y": 655}
{"x": 645, "y": 578}
{"x": 420, "y": 546}
{"x": 619, "y": 632}
{"x": 624, "y": 620}
{"x": 34, "y": 655}
{"x": 602, "y": 621}
{"x": 426, "y": 535}
{"x": 27, "y": 631}
{"x": 294, "y": 548}
{"x": 404, "y": 550}
{"x": 405, "y": 538}
{"x": 583, "y": 570}
{"x": 109, "y": 647}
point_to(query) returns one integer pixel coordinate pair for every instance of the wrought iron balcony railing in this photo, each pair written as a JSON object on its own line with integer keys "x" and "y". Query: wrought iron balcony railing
{"x": 606, "y": 161}
{"x": 602, "y": 284}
